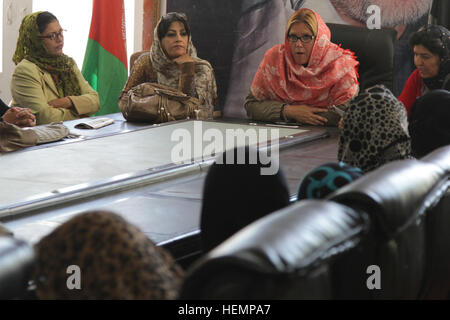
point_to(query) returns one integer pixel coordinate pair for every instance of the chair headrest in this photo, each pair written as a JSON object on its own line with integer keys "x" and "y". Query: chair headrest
{"x": 374, "y": 49}
{"x": 289, "y": 243}
{"x": 395, "y": 193}
{"x": 439, "y": 157}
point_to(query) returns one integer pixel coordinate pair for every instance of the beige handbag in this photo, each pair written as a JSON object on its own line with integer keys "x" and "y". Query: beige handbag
{"x": 156, "y": 103}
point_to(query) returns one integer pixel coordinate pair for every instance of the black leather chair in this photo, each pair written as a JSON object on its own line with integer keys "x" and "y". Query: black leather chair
{"x": 285, "y": 255}
{"x": 16, "y": 264}
{"x": 374, "y": 49}
{"x": 439, "y": 157}
{"x": 399, "y": 198}
{"x": 437, "y": 282}
{"x": 395, "y": 218}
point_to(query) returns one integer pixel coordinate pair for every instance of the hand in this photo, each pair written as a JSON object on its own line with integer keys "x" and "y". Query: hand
{"x": 305, "y": 114}
{"x": 183, "y": 59}
{"x": 65, "y": 103}
{"x": 21, "y": 117}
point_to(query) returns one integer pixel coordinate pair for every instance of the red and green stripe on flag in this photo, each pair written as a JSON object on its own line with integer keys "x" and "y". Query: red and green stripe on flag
{"x": 105, "y": 62}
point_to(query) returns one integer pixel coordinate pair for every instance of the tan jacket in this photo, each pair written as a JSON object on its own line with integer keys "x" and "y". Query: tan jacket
{"x": 33, "y": 88}
{"x": 270, "y": 110}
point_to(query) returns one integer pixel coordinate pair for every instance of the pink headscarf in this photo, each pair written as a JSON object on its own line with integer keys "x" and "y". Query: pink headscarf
{"x": 330, "y": 77}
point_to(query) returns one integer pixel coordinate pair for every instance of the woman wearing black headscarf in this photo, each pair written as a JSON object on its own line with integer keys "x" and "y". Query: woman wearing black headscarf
{"x": 235, "y": 195}
{"x": 429, "y": 122}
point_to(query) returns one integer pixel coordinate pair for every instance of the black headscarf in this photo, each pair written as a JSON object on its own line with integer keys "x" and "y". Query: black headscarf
{"x": 429, "y": 122}
{"x": 235, "y": 195}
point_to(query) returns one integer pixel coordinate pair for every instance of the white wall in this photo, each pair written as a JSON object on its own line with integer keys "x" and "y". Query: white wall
{"x": 1, "y": 36}
{"x": 13, "y": 13}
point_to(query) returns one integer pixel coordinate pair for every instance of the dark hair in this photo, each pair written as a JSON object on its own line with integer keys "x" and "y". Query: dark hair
{"x": 44, "y": 19}
{"x": 167, "y": 20}
{"x": 433, "y": 37}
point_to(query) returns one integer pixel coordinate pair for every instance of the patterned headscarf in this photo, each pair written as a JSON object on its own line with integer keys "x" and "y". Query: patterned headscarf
{"x": 169, "y": 73}
{"x": 330, "y": 78}
{"x": 31, "y": 47}
{"x": 115, "y": 259}
{"x": 375, "y": 130}
{"x": 325, "y": 179}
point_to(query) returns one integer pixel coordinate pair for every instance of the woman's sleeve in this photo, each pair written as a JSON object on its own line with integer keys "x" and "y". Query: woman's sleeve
{"x": 268, "y": 110}
{"x": 186, "y": 82}
{"x": 409, "y": 92}
{"x": 3, "y": 109}
{"x": 27, "y": 92}
{"x": 88, "y": 102}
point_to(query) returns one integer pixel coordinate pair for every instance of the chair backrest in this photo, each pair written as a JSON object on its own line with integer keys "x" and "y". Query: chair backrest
{"x": 439, "y": 157}
{"x": 437, "y": 282}
{"x": 399, "y": 198}
{"x": 285, "y": 255}
{"x": 374, "y": 49}
{"x": 134, "y": 57}
{"x": 16, "y": 263}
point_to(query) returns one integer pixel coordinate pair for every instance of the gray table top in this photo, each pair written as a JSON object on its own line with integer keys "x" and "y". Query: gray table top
{"x": 165, "y": 204}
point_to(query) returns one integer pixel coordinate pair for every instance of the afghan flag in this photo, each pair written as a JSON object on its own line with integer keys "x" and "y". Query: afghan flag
{"x": 105, "y": 62}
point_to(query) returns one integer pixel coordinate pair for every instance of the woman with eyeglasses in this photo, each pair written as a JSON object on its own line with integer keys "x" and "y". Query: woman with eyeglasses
{"x": 431, "y": 46}
{"x": 45, "y": 80}
{"x": 173, "y": 61}
{"x": 305, "y": 78}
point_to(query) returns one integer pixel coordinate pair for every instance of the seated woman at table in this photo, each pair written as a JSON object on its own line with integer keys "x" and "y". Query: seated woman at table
{"x": 301, "y": 79}
{"x": 21, "y": 117}
{"x": 45, "y": 80}
{"x": 431, "y": 46}
{"x": 173, "y": 61}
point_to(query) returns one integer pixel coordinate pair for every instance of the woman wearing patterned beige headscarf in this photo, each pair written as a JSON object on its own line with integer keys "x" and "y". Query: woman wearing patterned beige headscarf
{"x": 114, "y": 260}
{"x": 173, "y": 61}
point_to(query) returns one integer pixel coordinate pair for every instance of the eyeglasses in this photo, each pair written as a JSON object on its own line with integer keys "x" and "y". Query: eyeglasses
{"x": 304, "y": 39}
{"x": 54, "y": 35}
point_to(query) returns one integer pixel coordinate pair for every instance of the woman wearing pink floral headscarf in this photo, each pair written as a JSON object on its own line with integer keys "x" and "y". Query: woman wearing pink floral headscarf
{"x": 302, "y": 79}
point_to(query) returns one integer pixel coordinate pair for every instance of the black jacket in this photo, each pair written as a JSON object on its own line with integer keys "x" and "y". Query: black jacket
{"x": 3, "y": 108}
